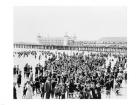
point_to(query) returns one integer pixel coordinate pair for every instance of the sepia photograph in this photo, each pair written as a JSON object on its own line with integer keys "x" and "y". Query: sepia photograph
{"x": 70, "y": 52}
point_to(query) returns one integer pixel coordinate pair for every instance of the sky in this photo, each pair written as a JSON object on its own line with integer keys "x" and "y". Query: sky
{"x": 87, "y": 23}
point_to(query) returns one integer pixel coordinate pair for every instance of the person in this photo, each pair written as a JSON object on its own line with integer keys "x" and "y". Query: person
{"x": 33, "y": 87}
{"x": 29, "y": 92}
{"x": 19, "y": 79}
{"x": 112, "y": 81}
{"x": 101, "y": 81}
{"x": 37, "y": 85}
{"x": 71, "y": 88}
{"x": 94, "y": 96}
{"x": 87, "y": 93}
{"x": 42, "y": 90}
{"x": 25, "y": 69}
{"x": 17, "y": 69}
{"x": 98, "y": 88}
{"x": 125, "y": 76}
{"x": 117, "y": 86}
{"x": 36, "y": 70}
{"x": 56, "y": 91}
{"x": 108, "y": 88}
{"x": 120, "y": 78}
{"x": 14, "y": 70}
{"x": 53, "y": 83}
{"x": 24, "y": 90}
{"x": 14, "y": 91}
{"x": 47, "y": 88}
{"x": 63, "y": 90}
{"x": 59, "y": 91}
{"x": 31, "y": 76}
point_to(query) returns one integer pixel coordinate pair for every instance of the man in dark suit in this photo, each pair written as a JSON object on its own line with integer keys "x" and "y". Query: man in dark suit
{"x": 53, "y": 84}
{"x": 19, "y": 79}
{"x": 71, "y": 88}
{"x": 47, "y": 88}
{"x": 14, "y": 91}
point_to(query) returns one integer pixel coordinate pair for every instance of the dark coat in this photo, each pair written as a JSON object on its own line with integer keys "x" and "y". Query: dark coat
{"x": 19, "y": 79}
{"x": 47, "y": 87}
{"x": 71, "y": 87}
{"x": 14, "y": 93}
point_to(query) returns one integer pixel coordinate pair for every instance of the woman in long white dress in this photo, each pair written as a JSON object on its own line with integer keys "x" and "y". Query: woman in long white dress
{"x": 29, "y": 92}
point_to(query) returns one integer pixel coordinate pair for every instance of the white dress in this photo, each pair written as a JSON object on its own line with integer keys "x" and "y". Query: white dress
{"x": 29, "y": 93}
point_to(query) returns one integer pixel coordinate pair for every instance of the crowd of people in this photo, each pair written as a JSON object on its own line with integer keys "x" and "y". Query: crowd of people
{"x": 76, "y": 75}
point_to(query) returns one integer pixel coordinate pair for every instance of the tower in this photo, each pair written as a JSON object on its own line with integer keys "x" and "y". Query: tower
{"x": 66, "y": 39}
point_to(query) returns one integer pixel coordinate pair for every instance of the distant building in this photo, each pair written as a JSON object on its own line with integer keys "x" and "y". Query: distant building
{"x": 61, "y": 41}
{"x": 114, "y": 41}
{"x": 50, "y": 40}
{"x": 72, "y": 41}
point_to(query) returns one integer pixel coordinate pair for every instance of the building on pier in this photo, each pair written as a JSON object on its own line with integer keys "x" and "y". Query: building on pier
{"x": 112, "y": 45}
{"x": 72, "y": 41}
